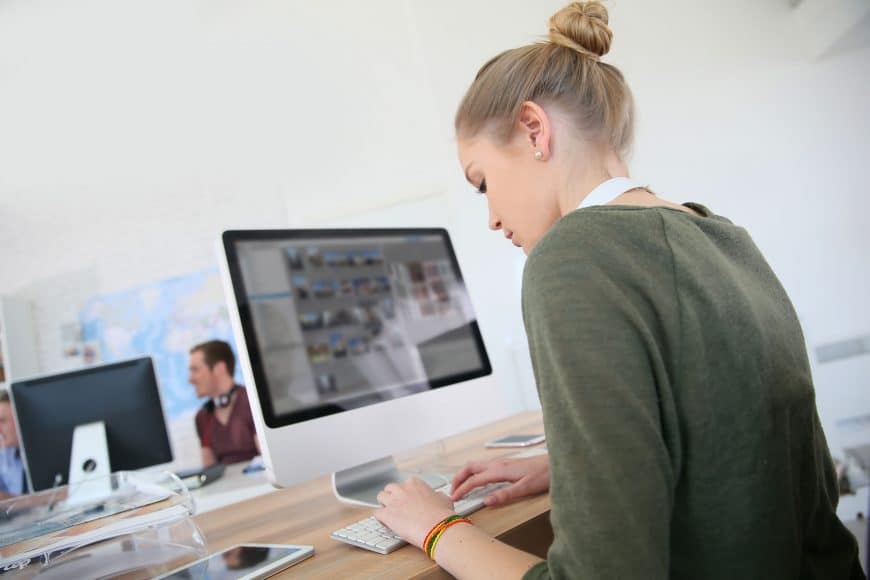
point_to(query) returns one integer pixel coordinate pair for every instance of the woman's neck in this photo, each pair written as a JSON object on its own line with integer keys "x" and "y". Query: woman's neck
{"x": 583, "y": 177}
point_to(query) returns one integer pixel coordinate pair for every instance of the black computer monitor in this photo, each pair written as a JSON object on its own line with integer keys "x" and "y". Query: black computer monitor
{"x": 124, "y": 396}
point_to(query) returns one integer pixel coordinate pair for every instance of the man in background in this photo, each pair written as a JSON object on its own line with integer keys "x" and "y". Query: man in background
{"x": 224, "y": 424}
{"x": 12, "y": 479}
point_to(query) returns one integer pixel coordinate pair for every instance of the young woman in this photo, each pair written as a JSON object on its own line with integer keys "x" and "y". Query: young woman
{"x": 677, "y": 398}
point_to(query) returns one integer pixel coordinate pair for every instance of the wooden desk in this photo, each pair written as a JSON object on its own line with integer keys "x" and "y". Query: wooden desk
{"x": 308, "y": 513}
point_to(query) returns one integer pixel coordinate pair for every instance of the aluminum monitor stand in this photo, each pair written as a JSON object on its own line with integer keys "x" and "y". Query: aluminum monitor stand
{"x": 361, "y": 484}
{"x": 89, "y": 467}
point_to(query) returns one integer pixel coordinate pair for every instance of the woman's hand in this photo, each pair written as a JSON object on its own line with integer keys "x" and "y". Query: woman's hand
{"x": 529, "y": 475}
{"x": 412, "y": 508}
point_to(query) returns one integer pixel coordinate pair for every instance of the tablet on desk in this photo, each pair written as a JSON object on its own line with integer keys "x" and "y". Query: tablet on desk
{"x": 243, "y": 562}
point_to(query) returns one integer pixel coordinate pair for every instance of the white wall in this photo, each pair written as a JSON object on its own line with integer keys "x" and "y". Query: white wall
{"x": 131, "y": 133}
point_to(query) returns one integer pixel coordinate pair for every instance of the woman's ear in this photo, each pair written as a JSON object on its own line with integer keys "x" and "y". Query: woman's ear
{"x": 535, "y": 129}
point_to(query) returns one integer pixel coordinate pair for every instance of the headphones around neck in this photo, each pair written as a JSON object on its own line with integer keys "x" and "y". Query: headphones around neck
{"x": 223, "y": 401}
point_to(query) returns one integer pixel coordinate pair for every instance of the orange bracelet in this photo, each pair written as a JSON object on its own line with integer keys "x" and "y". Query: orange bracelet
{"x": 435, "y": 529}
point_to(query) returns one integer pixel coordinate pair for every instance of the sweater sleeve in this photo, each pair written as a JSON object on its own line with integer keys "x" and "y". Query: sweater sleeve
{"x": 595, "y": 351}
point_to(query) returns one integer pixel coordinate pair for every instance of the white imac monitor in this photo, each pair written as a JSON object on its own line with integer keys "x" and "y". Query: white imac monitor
{"x": 355, "y": 344}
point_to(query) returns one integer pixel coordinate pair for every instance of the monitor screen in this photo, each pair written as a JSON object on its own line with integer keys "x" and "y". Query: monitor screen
{"x": 339, "y": 319}
{"x": 123, "y": 395}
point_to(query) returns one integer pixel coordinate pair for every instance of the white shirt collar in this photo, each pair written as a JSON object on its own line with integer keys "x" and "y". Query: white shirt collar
{"x": 608, "y": 191}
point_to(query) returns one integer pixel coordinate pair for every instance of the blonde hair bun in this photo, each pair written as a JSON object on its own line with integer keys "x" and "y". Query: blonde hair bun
{"x": 582, "y": 26}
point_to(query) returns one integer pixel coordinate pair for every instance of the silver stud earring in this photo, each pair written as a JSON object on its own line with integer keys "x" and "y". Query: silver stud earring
{"x": 539, "y": 155}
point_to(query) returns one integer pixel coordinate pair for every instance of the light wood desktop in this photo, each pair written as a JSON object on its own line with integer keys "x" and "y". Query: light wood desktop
{"x": 308, "y": 513}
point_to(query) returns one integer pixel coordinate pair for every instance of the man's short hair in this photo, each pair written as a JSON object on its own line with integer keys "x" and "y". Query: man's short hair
{"x": 215, "y": 351}
{"x": 4, "y": 396}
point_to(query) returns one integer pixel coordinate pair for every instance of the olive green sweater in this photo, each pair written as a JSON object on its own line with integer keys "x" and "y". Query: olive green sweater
{"x": 678, "y": 405}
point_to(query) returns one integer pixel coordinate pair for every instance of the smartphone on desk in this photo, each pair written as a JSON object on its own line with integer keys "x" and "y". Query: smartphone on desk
{"x": 243, "y": 562}
{"x": 516, "y": 441}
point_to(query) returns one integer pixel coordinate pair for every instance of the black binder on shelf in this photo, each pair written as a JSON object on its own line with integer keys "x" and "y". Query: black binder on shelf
{"x": 200, "y": 476}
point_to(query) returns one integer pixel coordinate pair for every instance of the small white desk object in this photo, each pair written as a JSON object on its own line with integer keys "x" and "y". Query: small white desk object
{"x": 233, "y": 487}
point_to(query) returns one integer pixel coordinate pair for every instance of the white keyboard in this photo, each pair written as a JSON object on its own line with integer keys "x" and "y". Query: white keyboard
{"x": 375, "y": 536}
